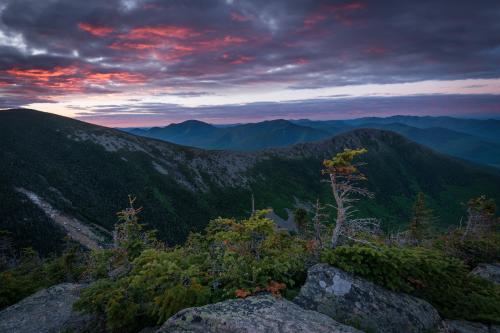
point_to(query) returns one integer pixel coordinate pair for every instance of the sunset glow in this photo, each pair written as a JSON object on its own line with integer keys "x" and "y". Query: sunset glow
{"x": 146, "y": 62}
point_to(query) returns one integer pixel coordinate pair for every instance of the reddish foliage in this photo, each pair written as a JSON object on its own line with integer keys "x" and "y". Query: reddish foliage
{"x": 242, "y": 293}
{"x": 275, "y": 287}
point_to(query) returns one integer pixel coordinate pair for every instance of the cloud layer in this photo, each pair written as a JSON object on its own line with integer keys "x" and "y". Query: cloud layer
{"x": 50, "y": 50}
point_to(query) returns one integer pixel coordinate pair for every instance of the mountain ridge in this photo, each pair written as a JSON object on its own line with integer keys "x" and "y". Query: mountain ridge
{"x": 282, "y": 133}
{"x": 87, "y": 172}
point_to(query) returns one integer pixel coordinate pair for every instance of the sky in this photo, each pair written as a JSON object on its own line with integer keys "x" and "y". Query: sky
{"x": 150, "y": 62}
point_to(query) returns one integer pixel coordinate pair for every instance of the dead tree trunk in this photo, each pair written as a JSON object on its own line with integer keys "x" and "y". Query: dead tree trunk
{"x": 343, "y": 176}
{"x": 341, "y": 213}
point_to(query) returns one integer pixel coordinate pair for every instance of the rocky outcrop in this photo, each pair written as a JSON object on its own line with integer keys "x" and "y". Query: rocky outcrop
{"x": 47, "y": 311}
{"x": 462, "y": 326}
{"x": 258, "y": 314}
{"x": 355, "y": 301}
{"x": 490, "y": 272}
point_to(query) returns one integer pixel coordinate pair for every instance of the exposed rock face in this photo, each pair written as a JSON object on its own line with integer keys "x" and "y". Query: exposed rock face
{"x": 49, "y": 310}
{"x": 258, "y": 314}
{"x": 352, "y": 300}
{"x": 462, "y": 326}
{"x": 490, "y": 272}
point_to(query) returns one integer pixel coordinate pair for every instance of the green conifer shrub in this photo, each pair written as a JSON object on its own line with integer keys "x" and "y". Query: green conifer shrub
{"x": 234, "y": 258}
{"x": 442, "y": 280}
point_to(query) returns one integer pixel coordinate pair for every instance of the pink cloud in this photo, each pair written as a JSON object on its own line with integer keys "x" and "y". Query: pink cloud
{"x": 235, "y": 16}
{"x": 302, "y": 61}
{"x": 95, "y": 30}
{"x": 376, "y": 50}
{"x": 339, "y": 12}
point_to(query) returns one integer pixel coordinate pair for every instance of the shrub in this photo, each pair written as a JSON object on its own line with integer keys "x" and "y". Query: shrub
{"x": 233, "y": 258}
{"x": 33, "y": 274}
{"x": 429, "y": 274}
{"x": 471, "y": 250}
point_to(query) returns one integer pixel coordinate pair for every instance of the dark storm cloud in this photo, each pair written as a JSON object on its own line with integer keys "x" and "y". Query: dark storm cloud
{"x": 97, "y": 46}
{"x": 342, "y": 108}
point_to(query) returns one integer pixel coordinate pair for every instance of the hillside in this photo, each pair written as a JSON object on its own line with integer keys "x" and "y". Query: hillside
{"x": 84, "y": 173}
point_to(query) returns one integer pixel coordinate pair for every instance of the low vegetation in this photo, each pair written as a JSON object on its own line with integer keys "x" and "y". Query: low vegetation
{"x": 31, "y": 273}
{"x": 141, "y": 282}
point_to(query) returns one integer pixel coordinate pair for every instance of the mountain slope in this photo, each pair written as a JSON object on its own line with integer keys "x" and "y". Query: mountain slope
{"x": 86, "y": 172}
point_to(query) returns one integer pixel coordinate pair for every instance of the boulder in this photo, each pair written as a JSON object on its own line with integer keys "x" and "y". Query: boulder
{"x": 462, "y": 326}
{"x": 48, "y": 310}
{"x": 257, "y": 314}
{"x": 490, "y": 272}
{"x": 354, "y": 301}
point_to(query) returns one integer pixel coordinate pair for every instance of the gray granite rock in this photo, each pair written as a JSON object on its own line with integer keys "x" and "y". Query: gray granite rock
{"x": 490, "y": 272}
{"x": 354, "y": 301}
{"x": 47, "y": 311}
{"x": 258, "y": 314}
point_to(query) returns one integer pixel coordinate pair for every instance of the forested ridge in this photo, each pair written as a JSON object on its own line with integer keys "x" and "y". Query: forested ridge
{"x": 141, "y": 282}
{"x": 85, "y": 171}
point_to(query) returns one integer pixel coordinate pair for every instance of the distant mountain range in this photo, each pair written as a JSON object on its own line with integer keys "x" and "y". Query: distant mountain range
{"x": 275, "y": 133}
{"x": 470, "y": 139}
{"x": 60, "y": 176}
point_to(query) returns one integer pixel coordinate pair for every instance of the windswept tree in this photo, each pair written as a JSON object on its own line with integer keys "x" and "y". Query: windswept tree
{"x": 344, "y": 177}
{"x": 421, "y": 221}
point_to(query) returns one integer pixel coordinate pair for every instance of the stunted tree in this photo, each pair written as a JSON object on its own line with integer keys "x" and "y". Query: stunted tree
{"x": 344, "y": 178}
{"x": 301, "y": 221}
{"x": 129, "y": 235}
{"x": 421, "y": 221}
{"x": 311, "y": 223}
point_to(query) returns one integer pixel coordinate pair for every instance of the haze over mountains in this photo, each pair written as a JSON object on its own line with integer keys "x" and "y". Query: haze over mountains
{"x": 470, "y": 139}
{"x": 84, "y": 173}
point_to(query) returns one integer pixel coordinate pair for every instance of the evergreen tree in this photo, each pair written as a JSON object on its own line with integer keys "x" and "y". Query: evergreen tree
{"x": 421, "y": 220}
{"x": 129, "y": 235}
{"x": 301, "y": 221}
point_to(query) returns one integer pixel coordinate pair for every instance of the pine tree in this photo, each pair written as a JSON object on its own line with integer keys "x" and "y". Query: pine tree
{"x": 421, "y": 221}
{"x": 129, "y": 235}
{"x": 301, "y": 221}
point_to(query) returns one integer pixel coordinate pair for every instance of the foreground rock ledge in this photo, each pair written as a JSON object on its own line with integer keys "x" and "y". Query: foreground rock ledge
{"x": 258, "y": 314}
{"x": 355, "y": 301}
{"x": 47, "y": 311}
